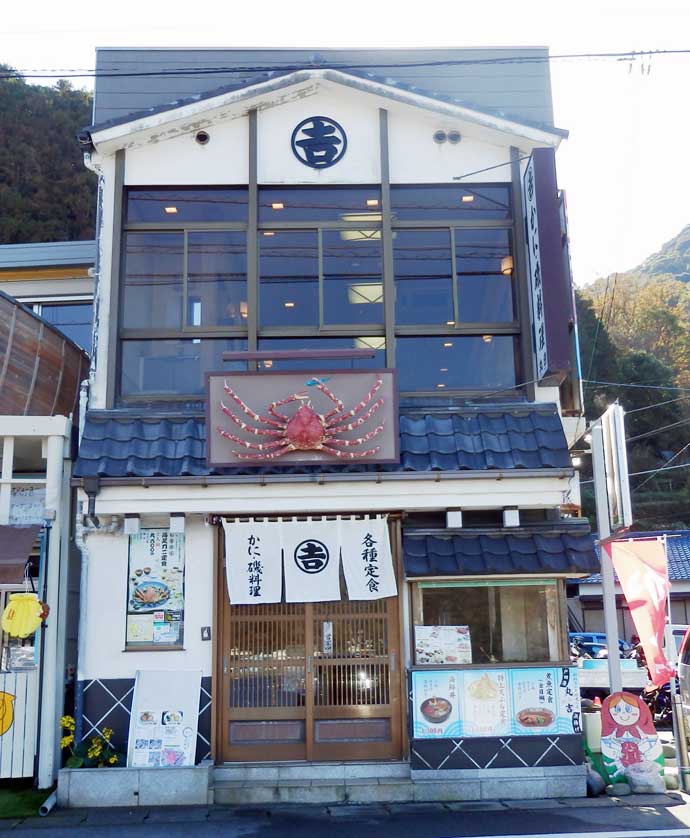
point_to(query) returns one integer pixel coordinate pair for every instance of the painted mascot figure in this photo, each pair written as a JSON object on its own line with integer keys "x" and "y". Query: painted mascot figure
{"x": 630, "y": 746}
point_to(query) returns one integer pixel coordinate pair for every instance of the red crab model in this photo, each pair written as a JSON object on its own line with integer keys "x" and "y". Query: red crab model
{"x": 305, "y": 430}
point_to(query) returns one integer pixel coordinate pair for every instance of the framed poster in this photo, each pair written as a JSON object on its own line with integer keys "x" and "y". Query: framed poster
{"x": 436, "y": 704}
{"x": 155, "y": 590}
{"x": 164, "y": 720}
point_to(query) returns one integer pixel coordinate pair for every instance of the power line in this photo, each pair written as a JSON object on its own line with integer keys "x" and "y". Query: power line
{"x": 665, "y": 465}
{"x": 639, "y": 386}
{"x": 657, "y": 404}
{"x": 640, "y": 473}
{"x": 658, "y": 430}
{"x": 629, "y": 55}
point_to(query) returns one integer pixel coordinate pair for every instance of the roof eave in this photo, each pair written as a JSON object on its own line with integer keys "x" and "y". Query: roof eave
{"x": 110, "y": 137}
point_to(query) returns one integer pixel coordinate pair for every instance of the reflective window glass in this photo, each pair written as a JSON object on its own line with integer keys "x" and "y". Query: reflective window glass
{"x": 484, "y": 265}
{"x": 378, "y": 344}
{"x": 72, "y": 319}
{"x": 217, "y": 278}
{"x": 179, "y": 206}
{"x": 352, "y": 280}
{"x": 351, "y": 205}
{"x": 484, "y": 362}
{"x": 423, "y": 271}
{"x": 154, "y": 267}
{"x": 174, "y": 367}
{"x": 450, "y": 202}
{"x": 289, "y": 278}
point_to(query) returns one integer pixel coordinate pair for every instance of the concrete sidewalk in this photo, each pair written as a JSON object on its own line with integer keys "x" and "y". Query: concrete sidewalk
{"x": 592, "y": 810}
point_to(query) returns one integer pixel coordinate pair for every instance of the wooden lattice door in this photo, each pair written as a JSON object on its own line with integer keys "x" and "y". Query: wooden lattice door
{"x": 303, "y": 681}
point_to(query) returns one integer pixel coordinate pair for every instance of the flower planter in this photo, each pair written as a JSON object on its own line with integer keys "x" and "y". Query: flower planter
{"x": 87, "y": 787}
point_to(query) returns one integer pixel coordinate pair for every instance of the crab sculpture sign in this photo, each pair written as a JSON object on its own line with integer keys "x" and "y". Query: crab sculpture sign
{"x": 287, "y": 418}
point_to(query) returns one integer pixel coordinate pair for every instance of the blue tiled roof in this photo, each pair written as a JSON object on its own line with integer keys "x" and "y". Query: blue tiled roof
{"x": 521, "y": 437}
{"x": 677, "y": 551}
{"x": 467, "y": 554}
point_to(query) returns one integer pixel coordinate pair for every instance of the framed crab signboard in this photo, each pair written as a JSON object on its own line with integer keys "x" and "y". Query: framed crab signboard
{"x": 295, "y": 417}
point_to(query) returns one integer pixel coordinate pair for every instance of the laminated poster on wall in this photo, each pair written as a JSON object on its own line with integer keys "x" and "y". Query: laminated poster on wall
{"x": 442, "y": 644}
{"x": 497, "y": 702}
{"x": 164, "y": 720}
{"x": 155, "y": 588}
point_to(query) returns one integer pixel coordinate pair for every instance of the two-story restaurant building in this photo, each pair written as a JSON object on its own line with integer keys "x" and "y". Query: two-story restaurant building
{"x": 327, "y": 500}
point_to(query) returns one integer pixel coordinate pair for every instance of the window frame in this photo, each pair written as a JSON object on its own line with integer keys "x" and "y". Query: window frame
{"x": 559, "y": 646}
{"x": 388, "y": 329}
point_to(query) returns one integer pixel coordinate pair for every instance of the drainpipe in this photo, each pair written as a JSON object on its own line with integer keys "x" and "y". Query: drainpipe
{"x": 84, "y": 526}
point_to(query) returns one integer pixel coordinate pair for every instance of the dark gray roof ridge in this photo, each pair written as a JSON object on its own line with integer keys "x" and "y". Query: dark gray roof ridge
{"x": 41, "y": 254}
{"x": 84, "y": 135}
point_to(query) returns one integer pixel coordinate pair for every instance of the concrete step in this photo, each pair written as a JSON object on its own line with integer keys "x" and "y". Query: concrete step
{"x": 359, "y": 790}
{"x": 305, "y": 771}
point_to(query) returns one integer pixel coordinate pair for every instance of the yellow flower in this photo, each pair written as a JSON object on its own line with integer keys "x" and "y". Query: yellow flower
{"x": 67, "y": 722}
{"x": 66, "y": 741}
{"x": 107, "y": 733}
{"x": 112, "y": 760}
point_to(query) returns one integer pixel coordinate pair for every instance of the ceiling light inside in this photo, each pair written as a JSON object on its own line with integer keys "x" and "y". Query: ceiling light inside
{"x": 467, "y": 199}
{"x": 372, "y": 202}
{"x": 487, "y": 338}
{"x": 170, "y": 210}
{"x": 277, "y": 205}
{"x": 448, "y": 343}
{"x": 289, "y": 304}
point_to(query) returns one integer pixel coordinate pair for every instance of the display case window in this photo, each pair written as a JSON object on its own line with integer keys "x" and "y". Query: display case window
{"x": 495, "y": 622}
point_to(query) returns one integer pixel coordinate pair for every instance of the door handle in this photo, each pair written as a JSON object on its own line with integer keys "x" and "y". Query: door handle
{"x": 225, "y": 665}
{"x": 392, "y": 665}
{"x": 308, "y": 664}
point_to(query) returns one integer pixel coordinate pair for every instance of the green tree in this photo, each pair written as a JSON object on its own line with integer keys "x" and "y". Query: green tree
{"x": 46, "y": 193}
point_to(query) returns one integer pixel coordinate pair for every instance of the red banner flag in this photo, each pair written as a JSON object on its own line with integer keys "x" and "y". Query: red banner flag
{"x": 642, "y": 570}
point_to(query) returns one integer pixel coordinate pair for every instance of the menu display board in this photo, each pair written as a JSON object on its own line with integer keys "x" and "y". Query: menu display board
{"x": 442, "y": 644}
{"x": 155, "y": 589}
{"x": 164, "y": 719}
{"x": 495, "y": 702}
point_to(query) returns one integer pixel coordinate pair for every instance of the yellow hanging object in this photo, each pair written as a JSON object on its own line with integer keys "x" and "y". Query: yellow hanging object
{"x": 22, "y": 615}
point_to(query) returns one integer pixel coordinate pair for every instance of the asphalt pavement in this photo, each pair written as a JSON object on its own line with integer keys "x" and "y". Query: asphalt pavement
{"x": 650, "y": 816}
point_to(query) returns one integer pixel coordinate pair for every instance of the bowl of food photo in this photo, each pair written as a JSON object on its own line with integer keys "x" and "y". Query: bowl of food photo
{"x": 436, "y": 710}
{"x": 535, "y": 717}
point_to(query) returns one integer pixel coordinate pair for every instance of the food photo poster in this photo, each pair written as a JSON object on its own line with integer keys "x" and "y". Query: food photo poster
{"x": 442, "y": 644}
{"x": 155, "y": 589}
{"x": 495, "y": 702}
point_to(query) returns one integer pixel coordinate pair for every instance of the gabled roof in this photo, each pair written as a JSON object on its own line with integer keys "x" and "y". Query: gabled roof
{"x": 677, "y": 551}
{"x": 118, "y": 444}
{"x": 53, "y": 254}
{"x": 509, "y": 81}
{"x": 268, "y": 83}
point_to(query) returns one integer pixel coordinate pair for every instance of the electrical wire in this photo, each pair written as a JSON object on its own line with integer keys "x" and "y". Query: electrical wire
{"x": 629, "y": 55}
{"x": 658, "y": 430}
{"x": 657, "y": 404}
{"x": 640, "y": 473}
{"x": 667, "y": 463}
{"x": 639, "y": 386}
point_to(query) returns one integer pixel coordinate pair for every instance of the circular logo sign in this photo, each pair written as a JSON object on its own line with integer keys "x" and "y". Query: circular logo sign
{"x": 318, "y": 142}
{"x": 311, "y": 556}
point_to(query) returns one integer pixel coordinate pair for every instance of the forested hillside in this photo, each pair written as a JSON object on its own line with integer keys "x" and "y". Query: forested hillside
{"x": 635, "y": 329}
{"x": 46, "y": 193}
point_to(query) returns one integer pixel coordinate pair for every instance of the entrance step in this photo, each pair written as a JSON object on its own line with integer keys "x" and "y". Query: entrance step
{"x": 304, "y": 772}
{"x": 362, "y": 790}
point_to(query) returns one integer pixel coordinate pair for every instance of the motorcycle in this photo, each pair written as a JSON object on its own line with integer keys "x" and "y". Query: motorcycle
{"x": 660, "y": 703}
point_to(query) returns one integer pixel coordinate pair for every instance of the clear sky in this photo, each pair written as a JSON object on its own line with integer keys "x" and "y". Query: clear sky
{"x": 625, "y": 167}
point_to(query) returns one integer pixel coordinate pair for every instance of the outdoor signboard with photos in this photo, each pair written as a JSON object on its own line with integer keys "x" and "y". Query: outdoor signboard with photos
{"x": 155, "y": 589}
{"x": 495, "y": 702}
{"x": 277, "y": 418}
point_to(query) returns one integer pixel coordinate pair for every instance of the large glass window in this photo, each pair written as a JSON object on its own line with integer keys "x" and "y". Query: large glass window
{"x": 289, "y": 271}
{"x": 346, "y": 204}
{"x": 173, "y": 367}
{"x": 484, "y": 268}
{"x": 154, "y": 269}
{"x": 456, "y": 362}
{"x": 445, "y": 202}
{"x": 217, "y": 278}
{"x": 181, "y": 206}
{"x": 423, "y": 277}
{"x": 352, "y": 276}
{"x": 72, "y": 319}
{"x": 377, "y": 344}
{"x": 509, "y": 622}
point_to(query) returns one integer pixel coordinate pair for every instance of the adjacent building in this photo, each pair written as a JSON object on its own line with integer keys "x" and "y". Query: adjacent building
{"x": 324, "y": 477}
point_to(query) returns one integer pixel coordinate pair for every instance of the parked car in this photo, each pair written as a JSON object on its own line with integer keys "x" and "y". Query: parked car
{"x": 594, "y": 641}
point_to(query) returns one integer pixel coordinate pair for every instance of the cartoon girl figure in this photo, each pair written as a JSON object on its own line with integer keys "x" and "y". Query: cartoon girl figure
{"x": 629, "y": 742}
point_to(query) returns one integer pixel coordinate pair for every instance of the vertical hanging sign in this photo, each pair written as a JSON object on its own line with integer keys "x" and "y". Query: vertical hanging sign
{"x": 535, "y": 271}
{"x": 253, "y": 562}
{"x": 367, "y": 560}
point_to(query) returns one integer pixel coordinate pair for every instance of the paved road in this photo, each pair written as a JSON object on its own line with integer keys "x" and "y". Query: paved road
{"x": 652, "y": 816}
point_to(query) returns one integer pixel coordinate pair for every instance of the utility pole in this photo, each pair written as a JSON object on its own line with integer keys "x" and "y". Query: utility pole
{"x": 608, "y": 586}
